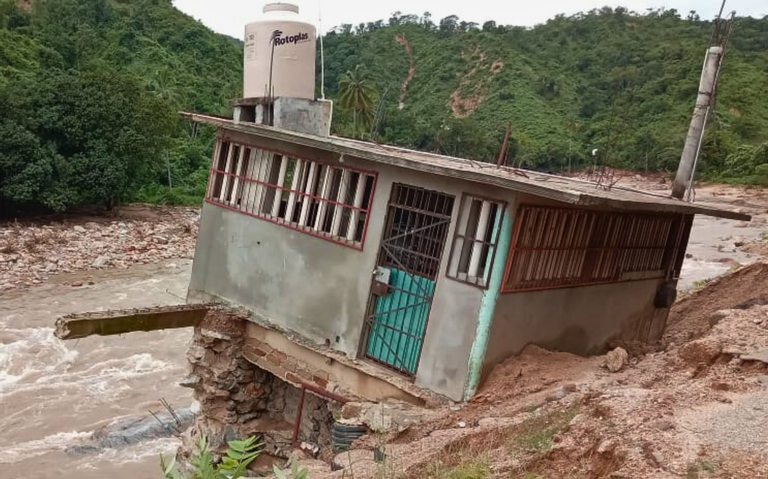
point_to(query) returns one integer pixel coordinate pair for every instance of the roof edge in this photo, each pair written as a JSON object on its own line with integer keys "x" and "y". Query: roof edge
{"x": 364, "y": 151}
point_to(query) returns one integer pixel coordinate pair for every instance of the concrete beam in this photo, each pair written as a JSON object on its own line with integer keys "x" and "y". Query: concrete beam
{"x": 120, "y": 321}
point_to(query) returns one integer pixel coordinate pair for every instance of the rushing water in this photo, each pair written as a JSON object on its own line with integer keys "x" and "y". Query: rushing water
{"x": 54, "y": 394}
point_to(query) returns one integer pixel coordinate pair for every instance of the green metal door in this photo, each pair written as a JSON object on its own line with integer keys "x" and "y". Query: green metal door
{"x": 409, "y": 259}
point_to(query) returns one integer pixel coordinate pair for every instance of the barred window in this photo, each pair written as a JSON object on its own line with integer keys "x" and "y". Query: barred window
{"x": 318, "y": 199}
{"x": 474, "y": 244}
{"x": 559, "y": 247}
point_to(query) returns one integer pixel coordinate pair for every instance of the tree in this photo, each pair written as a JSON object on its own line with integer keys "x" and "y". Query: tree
{"x": 357, "y": 94}
{"x": 489, "y": 26}
{"x": 95, "y": 138}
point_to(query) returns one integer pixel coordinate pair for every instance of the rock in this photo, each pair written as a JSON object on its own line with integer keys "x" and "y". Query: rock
{"x": 658, "y": 457}
{"x": 215, "y": 334}
{"x": 77, "y": 284}
{"x": 663, "y": 424}
{"x": 131, "y": 430}
{"x": 352, "y": 410}
{"x": 462, "y": 424}
{"x": 607, "y": 446}
{"x": 616, "y": 360}
{"x": 392, "y": 416}
{"x": 79, "y": 229}
{"x": 190, "y": 381}
{"x": 701, "y": 351}
{"x": 101, "y": 261}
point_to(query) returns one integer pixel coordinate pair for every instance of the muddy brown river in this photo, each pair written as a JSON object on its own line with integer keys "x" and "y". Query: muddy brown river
{"x": 54, "y": 394}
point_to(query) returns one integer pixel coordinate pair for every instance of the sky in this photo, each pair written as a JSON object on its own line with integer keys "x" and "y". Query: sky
{"x": 230, "y": 16}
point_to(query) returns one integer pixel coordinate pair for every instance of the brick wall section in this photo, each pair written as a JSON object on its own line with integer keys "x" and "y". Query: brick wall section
{"x": 292, "y": 370}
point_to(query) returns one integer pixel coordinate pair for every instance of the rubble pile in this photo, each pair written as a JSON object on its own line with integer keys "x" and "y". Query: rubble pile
{"x": 30, "y": 254}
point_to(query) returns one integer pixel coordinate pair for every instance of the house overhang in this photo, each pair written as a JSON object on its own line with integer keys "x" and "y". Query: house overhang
{"x": 566, "y": 190}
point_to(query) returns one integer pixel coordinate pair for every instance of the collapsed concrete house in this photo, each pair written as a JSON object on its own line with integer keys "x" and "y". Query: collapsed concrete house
{"x": 380, "y": 272}
{"x": 423, "y": 267}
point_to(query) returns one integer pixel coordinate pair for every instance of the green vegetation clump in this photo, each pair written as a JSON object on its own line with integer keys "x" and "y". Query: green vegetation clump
{"x": 89, "y": 95}
{"x": 232, "y": 466}
{"x": 535, "y": 435}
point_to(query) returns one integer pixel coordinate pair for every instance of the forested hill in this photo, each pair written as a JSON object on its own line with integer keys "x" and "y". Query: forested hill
{"x": 89, "y": 95}
{"x": 609, "y": 79}
{"x": 89, "y": 91}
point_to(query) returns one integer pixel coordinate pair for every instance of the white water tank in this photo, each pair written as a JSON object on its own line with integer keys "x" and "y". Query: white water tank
{"x": 283, "y": 44}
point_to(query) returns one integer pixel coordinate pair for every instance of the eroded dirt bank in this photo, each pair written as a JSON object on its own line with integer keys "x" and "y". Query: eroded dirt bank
{"x": 693, "y": 406}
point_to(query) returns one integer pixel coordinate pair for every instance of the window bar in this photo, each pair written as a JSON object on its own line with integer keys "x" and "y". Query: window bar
{"x": 235, "y": 179}
{"x": 458, "y": 245}
{"x": 248, "y": 170}
{"x": 296, "y": 181}
{"x": 308, "y": 190}
{"x": 225, "y": 182}
{"x": 278, "y": 201}
{"x": 337, "y": 211}
{"x": 358, "y": 203}
{"x": 214, "y": 164}
{"x": 259, "y": 173}
{"x": 324, "y": 194}
{"x": 477, "y": 244}
{"x": 241, "y": 198}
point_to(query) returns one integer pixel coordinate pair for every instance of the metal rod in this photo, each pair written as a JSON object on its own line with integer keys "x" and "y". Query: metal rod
{"x": 319, "y": 391}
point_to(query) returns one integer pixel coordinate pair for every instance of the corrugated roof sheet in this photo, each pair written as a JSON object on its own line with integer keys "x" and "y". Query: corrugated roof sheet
{"x": 568, "y": 190}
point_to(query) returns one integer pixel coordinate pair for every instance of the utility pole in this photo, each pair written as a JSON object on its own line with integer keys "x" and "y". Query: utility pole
{"x": 707, "y": 86}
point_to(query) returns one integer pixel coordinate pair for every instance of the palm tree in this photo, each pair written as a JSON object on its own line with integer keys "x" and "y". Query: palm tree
{"x": 165, "y": 85}
{"x": 357, "y": 93}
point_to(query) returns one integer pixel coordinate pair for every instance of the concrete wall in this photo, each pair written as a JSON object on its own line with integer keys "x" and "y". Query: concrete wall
{"x": 580, "y": 319}
{"x": 321, "y": 289}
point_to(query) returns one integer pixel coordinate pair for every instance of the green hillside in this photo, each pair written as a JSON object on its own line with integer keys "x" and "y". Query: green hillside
{"x": 90, "y": 90}
{"x": 608, "y": 79}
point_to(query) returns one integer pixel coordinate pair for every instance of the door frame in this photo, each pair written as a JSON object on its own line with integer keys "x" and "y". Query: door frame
{"x": 448, "y": 216}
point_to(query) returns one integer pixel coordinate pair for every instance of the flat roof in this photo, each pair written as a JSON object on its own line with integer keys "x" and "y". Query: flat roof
{"x": 573, "y": 191}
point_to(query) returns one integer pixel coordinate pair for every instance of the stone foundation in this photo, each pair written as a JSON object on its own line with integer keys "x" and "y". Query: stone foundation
{"x": 238, "y": 399}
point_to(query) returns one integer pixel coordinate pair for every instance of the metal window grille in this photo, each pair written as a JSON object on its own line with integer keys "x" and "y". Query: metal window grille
{"x": 560, "y": 247}
{"x": 474, "y": 243}
{"x": 417, "y": 222}
{"x": 315, "y": 198}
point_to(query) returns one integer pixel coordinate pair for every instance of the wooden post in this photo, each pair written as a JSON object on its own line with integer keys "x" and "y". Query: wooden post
{"x": 503, "y": 152}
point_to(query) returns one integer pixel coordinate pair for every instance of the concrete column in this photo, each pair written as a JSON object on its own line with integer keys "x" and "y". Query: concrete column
{"x": 698, "y": 122}
{"x": 488, "y": 304}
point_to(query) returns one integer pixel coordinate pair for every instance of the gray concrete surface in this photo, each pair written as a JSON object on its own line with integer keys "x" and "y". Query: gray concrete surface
{"x": 578, "y": 320}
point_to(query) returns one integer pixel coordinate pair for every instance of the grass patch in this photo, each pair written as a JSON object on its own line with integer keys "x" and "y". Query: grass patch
{"x": 535, "y": 435}
{"x": 479, "y": 469}
{"x": 695, "y": 467}
{"x": 697, "y": 285}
